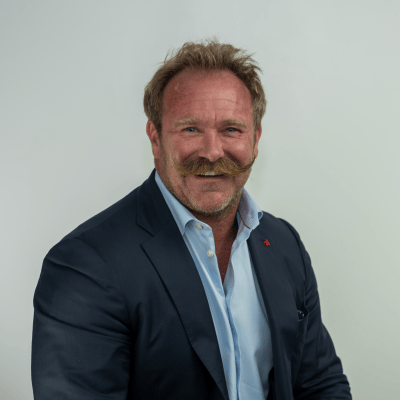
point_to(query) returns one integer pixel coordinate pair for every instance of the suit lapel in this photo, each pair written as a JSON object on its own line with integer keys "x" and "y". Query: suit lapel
{"x": 279, "y": 302}
{"x": 168, "y": 252}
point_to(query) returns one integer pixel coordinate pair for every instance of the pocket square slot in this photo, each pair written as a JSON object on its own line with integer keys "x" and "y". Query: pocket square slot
{"x": 300, "y": 315}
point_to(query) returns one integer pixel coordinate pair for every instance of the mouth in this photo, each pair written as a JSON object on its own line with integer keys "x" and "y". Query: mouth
{"x": 210, "y": 175}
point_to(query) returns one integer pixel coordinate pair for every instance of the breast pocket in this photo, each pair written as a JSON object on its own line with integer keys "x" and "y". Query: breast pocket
{"x": 302, "y": 322}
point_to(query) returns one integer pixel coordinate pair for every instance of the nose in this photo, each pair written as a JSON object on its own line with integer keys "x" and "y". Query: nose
{"x": 211, "y": 146}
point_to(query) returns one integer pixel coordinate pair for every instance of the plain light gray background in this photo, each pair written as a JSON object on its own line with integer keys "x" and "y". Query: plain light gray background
{"x": 73, "y": 142}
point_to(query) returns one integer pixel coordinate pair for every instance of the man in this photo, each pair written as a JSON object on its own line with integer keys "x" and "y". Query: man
{"x": 185, "y": 289}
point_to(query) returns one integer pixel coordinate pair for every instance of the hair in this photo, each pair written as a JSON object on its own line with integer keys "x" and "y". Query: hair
{"x": 205, "y": 56}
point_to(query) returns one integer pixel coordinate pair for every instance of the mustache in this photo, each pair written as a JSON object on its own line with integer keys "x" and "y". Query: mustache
{"x": 222, "y": 166}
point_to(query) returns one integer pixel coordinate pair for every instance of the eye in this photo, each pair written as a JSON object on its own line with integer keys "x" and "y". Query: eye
{"x": 191, "y": 127}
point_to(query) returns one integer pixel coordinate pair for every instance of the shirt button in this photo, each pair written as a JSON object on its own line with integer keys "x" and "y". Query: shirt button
{"x": 198, "y": 226}
{"x": 210, "y": 253}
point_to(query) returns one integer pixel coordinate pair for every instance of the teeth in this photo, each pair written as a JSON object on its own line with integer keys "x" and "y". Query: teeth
{"x": 210, "y": 173}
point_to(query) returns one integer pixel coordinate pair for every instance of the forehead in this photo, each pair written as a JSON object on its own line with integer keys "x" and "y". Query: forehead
{"x": 214, "y": 89}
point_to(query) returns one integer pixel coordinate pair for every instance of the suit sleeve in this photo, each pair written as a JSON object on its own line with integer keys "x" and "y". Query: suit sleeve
{"x": 81, "y": 337}
{"x": 320, "y": 375}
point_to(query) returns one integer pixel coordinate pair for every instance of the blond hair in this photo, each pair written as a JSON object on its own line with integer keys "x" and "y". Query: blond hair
{"x": 205, "y": 57}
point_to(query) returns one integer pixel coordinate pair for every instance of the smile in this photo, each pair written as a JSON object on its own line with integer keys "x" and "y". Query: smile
{"x": 210, "y": 178}
{"x": 209, "y": 175}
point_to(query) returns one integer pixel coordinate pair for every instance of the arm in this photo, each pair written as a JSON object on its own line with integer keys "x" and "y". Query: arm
{"x": 320, "y": 375}
{"x": 81, "y": 341}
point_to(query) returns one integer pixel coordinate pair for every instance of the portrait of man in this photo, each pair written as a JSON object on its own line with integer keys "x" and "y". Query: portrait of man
{"x": 185, "y": 288}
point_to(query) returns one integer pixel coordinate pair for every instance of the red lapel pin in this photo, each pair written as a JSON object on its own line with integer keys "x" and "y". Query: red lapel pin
{"x": 267, "y": 243}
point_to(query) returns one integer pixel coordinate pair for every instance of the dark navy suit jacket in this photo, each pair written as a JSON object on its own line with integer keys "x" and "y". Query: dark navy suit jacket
{"x": 121, "y": 313}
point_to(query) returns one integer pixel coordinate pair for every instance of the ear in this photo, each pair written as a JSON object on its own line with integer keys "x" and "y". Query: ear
{"x": 257, "y": 138}
{"x": 154, "y": 138}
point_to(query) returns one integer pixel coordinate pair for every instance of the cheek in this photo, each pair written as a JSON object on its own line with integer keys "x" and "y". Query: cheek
{"x": 168, "y": 160}
{"x": 181, "y": 150}
{"x": 243, "y": 153}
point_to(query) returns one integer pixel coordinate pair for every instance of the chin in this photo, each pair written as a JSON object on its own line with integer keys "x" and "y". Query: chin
{"x": 209, "y": 212}
{"x": 212, "y": 210}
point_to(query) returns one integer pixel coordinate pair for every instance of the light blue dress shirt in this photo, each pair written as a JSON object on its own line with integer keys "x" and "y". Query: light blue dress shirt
{"x": 236, "y": 305}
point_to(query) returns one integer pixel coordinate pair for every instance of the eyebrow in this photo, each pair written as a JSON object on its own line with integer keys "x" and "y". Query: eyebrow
{"x": 225, "y": 122}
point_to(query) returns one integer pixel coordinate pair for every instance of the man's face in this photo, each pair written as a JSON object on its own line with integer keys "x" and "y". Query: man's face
{"x": 208, "y": 138}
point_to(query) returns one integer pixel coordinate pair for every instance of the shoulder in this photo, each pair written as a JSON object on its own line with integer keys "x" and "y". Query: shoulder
{"x": 288, "y": 245}
{"x": 110, "y": 230}
{"x": 126, "y": 206}
{"x": 280, "y": 228}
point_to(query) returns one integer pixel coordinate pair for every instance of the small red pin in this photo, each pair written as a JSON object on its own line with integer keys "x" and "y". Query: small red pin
{"x": 267, "y": 243}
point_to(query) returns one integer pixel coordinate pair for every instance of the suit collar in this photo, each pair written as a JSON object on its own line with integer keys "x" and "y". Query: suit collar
{"x": 153, "y": 212}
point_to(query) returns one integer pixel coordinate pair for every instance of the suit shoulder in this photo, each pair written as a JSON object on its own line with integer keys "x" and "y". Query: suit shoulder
{"x": 287, "y": 239}
{"x": 278, "y": 226}
{"x": 109, "y": 220}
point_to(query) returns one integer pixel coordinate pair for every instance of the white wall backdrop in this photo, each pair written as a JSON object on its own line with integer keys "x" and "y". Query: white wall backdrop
{"x": 73, "y": 142}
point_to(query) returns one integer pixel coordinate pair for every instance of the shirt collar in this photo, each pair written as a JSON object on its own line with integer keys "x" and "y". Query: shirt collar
{"x": 248, "y": 211}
